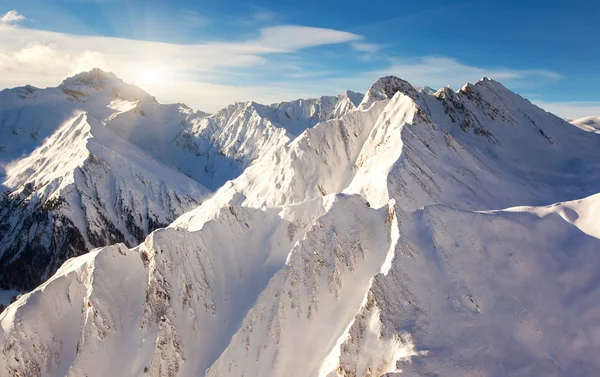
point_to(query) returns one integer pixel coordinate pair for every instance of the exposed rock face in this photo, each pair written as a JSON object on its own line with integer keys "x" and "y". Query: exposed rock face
{"x": 84, "y": 187}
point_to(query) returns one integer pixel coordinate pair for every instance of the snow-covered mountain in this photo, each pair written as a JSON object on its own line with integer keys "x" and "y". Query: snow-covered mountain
{"x": 464, "y": 149}
{"x": 97, "y": 161}
{"x": 244, "y": 131}
{"x": 70, "y": 183}
{"x": 407, "y": 232}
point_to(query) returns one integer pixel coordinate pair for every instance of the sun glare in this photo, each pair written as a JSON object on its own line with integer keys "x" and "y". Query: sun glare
{"x": 151, "y": 76}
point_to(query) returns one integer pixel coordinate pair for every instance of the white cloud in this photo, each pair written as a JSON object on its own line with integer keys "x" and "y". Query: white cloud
{"x": 369, "y": 48}
{"x": 264, "y": 15}
{"x": 43, "y": 58}
{"x": 436, "y": 72}
{"x": 211, "y": 97}
{"x": 571, "y": 110}
{"x": 288, "y": 38}
{"x": 11, "y": 17}
{"x": 439, "y": 71}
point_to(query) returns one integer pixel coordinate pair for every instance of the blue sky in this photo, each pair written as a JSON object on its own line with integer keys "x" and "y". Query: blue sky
{"x": 211, "y": 53}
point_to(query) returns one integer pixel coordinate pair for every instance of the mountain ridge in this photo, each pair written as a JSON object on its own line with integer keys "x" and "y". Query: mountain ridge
{"x": 185, "y": 140}
{"x": 418, "y": 233}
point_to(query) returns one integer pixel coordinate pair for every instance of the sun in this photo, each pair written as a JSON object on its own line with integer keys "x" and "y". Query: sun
{"x": 151, "y": 76}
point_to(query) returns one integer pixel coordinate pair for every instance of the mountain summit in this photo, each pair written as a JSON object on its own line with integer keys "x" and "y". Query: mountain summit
{"x": 404, "y": 233}
{"x": 96, "y": 78}
{"x": 386, "y": 88}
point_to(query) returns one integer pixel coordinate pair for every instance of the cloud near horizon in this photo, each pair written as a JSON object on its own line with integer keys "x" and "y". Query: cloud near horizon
{"x": 571, "y": 110}
{"x": 11, "y": 17}
{"x": 208, "y": 75}
{"x": 44, "y": 58}
{"x": 439, "y": 71}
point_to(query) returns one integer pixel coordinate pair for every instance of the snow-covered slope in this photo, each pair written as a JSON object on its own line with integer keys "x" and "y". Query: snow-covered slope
{"x": 412, "y": 233}
{"x": 29, "y": 115}
{"x": 65, "y": 177}
{"x": 242, "y": 132}
{"x": 70, "y": 183}
{"x": 210, "y": 149}
{"x": 464, "y": 149}
{"x": 84, "y": 187}
{"x": 482, "y": 147}
{"x": 48, "y": 158}
{"x": 182, "y": 295}
{"x": 502, "y": 293}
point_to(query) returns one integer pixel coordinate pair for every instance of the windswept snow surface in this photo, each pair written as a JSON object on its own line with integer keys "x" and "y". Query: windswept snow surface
{"x": 407, "y": 232}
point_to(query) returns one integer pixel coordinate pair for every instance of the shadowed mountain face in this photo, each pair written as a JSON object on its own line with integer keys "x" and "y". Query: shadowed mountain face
{"x": 405, "y": 232}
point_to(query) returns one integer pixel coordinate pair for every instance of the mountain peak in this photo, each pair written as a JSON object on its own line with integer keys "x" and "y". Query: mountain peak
{"x": 483, "y": 82}
{"x": 354, "y": 97}
{"x": 484, "y": 85}
{"x": 95, "y": 78}
{"x": 425, "y": 89}
{"x": 389, "y": 85}
{"x": 489, "y": 82}
{"x": 386, "y": 87}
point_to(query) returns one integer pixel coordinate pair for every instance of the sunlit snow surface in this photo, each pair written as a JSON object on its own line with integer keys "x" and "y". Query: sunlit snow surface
{"x": 97, "y": 161}
{"x": 408, "y": 233}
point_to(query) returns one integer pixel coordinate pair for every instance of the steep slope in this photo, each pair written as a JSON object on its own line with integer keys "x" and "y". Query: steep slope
{"x": 417, "y": 155}
{"x": 463, "y": 149}
{"x": 84, "y": 187}
{"x": 482, "y": 147}
{"x": 498, "y": 293}
{"x": 319, "y": 161}
{"x": 243, "y": 132}
{"x": 29, "y": 115}
{"x": 422, "y": 273}
{"x": 182, "y": 295}
{"x": 213, "y": 149}
{"x": 306, "y": 307}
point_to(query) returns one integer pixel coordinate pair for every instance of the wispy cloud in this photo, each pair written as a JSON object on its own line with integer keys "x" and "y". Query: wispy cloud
{"x": 210, "y": 75}
{"x": 11, "y": 17}
{"x": 193, "y": 19}
{"x": 571, "y": 110}
{"x": 288, "y": 38}
{"x": 23, "y": 46}
{"x": 43, "y": 58}
{"x": 433, "y": 71}
{"x": 367, "y": 47}
{"x": 264, "y": 15}
{"x": 439, "y": 71}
